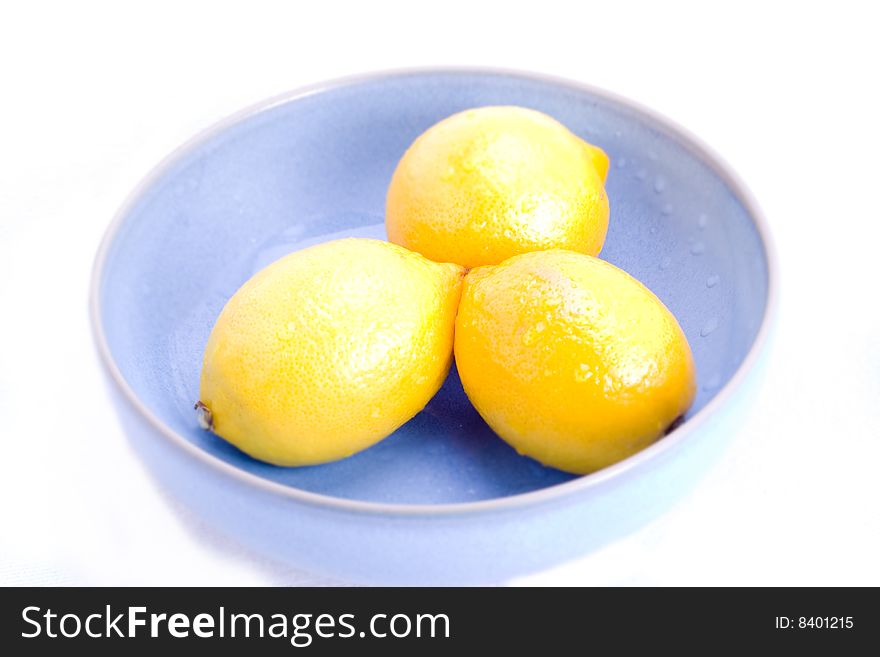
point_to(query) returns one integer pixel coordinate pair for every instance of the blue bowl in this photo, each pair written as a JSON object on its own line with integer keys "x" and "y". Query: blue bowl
{"x": 443, "y": 500}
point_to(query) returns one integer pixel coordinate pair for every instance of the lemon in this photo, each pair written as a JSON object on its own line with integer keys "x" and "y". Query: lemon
{"x": 571, "y": 360}
{"x": 328, "y": 350}
{"x": 490, "y": 183}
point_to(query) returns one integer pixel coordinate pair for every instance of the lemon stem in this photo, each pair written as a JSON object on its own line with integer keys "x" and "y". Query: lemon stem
{"x": 204, "y": 416}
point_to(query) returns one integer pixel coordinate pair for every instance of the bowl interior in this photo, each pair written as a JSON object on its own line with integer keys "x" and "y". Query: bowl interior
{"x": 316, "y": 167}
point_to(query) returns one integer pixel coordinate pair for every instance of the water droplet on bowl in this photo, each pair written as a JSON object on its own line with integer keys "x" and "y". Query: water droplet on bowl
{"x": 712, "y": 382}
{"x": 709, "y": 327}
{"x": 713, "y": 280}
{"x": 665, "y": 262}
{"x": 697, "y": 248}
{"x": 666, "y": 209}
{"x": 641, "y": 174}
{"x": 621, "y": 162}
{"x": 659, "y": 184}
{"x": 702, "y": 221}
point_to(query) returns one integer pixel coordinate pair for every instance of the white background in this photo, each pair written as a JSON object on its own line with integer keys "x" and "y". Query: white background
{"x": 93, "y": 95}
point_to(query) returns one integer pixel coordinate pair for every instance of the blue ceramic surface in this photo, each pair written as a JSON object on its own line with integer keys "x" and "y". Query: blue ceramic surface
{"x": 443, "y": 499}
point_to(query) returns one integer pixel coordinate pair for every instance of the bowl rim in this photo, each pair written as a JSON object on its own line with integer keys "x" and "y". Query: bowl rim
{"x": 520, "y": 500}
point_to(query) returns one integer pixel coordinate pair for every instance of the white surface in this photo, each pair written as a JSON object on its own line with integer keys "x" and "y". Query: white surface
{"x": 94, "y": 94}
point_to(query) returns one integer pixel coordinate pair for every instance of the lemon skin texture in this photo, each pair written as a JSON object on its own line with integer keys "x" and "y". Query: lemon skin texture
{"x": 329, "y": 349}
{"x": 489, "y": 183}
{"x": 570, "y": 359}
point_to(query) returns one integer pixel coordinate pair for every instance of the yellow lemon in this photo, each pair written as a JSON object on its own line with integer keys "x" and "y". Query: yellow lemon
{"x": 328, "y": 350}
{"x": 570, "y": 359}
{"x": 490, "y": 183}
